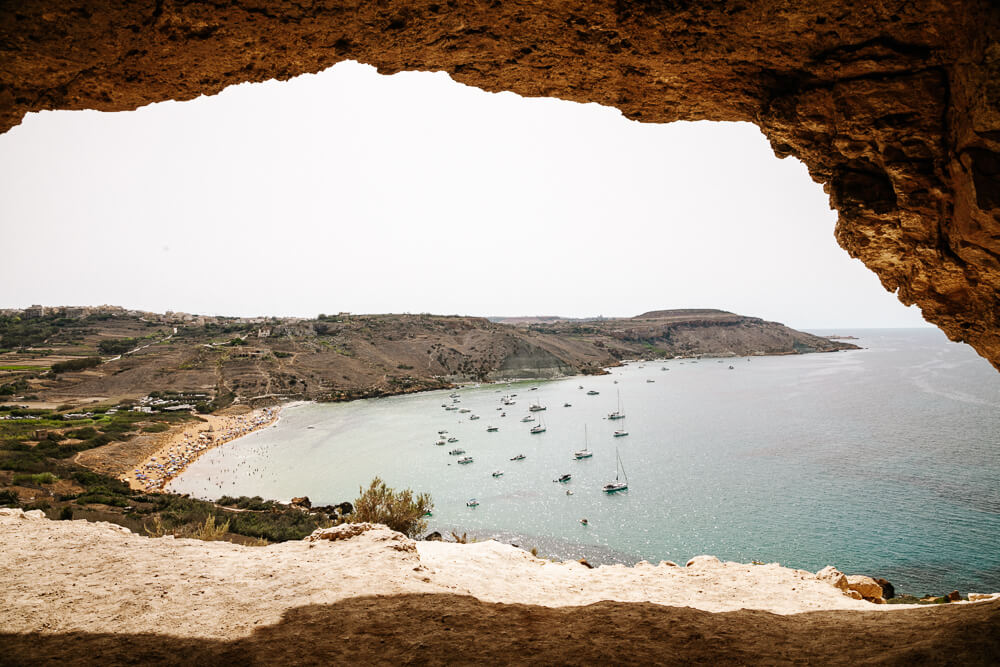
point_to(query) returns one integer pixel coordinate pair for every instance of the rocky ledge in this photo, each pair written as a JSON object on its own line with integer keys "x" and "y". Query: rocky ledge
{"x": 92, "y": 582}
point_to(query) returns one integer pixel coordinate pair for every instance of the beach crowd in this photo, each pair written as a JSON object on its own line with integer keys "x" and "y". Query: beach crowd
{"x": 156, "y": 471}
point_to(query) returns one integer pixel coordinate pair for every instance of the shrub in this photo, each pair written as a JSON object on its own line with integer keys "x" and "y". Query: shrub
{"x": 116, "y": 345}
{"x": 155, "y": 428}
{"x": 66, "y": 513}
{"x": 8, "y": 498}
{"x": 76, "y": 364}
{"x": 38, "y": 478}
{"x": 398, "y": 510}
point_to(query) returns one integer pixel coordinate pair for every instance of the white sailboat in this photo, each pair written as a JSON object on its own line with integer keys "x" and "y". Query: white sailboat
{"x": 584, "y": 453}
{"x": 618, "y": 484}
{"x": 618, "y": 414}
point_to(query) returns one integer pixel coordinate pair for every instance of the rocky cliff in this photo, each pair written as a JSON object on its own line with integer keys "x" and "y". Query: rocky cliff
{"x": 893, "y": 105}
{"x": 82, "y": 593}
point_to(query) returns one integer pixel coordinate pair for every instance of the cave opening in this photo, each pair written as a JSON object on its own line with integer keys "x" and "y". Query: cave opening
{"x": 349, "y": 190}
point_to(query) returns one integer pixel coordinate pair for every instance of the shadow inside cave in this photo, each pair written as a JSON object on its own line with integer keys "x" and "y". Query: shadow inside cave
{"x": 457, "y": 629}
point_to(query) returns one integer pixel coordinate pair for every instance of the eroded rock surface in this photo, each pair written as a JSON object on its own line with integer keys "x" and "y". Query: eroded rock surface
{"x": 893, "y": 105}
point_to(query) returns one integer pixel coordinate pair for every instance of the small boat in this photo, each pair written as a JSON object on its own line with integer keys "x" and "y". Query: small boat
{"x": 584, "y": 453}
{"x": 583, "y": 522}
{"x": 527, "y": 418}
{"x": 650, "y": 380}
{"x": 663, "y": 368}
{"x": 567, "y": 405}
{"x": 593, "y": 393}
{"x": 439, "y": 442}
{"x": 618, "y": 414}
{"x": 537, "y": 407}
{"x": 499, "y": 408}
{"x": 492, "y": 429}
{"x": 620, "y": 433}
{"x": 451, "y": 407}
{"x": 464, "y": 410}
{"x": 534, "y": 389}
{"x": 498, "y": 473}
{"x": 472, "y": 502}
{"x": 519, "y": 457}
{"x": 452, "y": 439}
{"x": 457, "y": 452}
{"x": 465, "y": 459}
{"x": 452, "y": 395}
{"x": 617, "y": 485}
{"x": 568, "y": 492}
{"x": 538, "y": 428}
{"x": 564, "y": 478}
{"x": 473, "y": 417}
{"x": 581, "y": 386}
{"x": 442, "y": 432}
{"x": 730, "y": 368}
{"x": 503, "y": 414}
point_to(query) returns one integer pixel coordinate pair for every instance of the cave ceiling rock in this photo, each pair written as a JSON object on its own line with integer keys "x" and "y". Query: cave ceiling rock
{"x": 893, "y": 105}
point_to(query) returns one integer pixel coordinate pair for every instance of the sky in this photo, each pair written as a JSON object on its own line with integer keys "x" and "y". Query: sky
{"x": 351, "y": 191}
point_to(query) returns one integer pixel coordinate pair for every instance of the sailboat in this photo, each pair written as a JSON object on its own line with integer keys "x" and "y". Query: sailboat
{"x": 617, "y": 485}
{"x": 584, "y": 453}
{"x": 538, "y": 428}
{"x": 621, "y": 433}
{"x": 618, "y": 414}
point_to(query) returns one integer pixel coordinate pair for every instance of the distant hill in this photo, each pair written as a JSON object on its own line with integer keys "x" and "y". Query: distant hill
{"x": 350, "y": 356}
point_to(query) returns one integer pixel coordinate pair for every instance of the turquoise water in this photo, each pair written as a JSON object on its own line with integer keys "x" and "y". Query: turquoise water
{"x": 880, "y": 461}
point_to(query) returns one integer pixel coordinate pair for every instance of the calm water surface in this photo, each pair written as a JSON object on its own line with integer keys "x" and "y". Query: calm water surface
{"x": 880, "y": 461}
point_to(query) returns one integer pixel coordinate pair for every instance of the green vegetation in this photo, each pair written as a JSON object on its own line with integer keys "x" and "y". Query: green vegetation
{"x": 282, "y": 355}
{"x": 155, "y": 428}
{"x": 117, "y": 345}
{"x": 39, "y": 478}
{"x": 76, "y": 364}
{"x": 24, "y": 368}
{"x": 398, "y": 510}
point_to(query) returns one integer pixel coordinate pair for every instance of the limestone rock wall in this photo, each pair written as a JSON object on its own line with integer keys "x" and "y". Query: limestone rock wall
{"x": 893, "y": 105}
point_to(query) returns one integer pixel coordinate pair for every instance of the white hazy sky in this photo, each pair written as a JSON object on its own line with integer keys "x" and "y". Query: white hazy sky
{"x": 351, "y": 191}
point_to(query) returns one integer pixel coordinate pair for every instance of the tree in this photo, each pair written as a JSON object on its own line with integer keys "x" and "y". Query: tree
{"x": 398, "y": 510}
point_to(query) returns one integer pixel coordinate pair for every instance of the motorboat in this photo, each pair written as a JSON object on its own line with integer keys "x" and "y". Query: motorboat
{"x": 473, "y": 417}
{"x": 593, "y": 392}
{"x": 472, "y": 502}
{"x": 464, "y": 410}
{"x": 465, "y": 459}
{"x": 527, "y": 418}
{"x": 492, "y": 429}
{"x": 440, "y": 442}
{"x": 519, "y": 457}
{"x": 498, "y": 473}
{"x": 537, "y": 407}
{"x": 564, "y": 478}
{"x": 567, "y": 405}
{"x": 452, "y": 439}
{"x": 457, "y": 452}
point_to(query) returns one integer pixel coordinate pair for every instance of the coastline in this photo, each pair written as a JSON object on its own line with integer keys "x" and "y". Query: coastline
{"x": 187, "y": 444}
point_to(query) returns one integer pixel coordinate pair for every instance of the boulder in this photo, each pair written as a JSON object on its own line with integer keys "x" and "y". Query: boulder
{"x": 301, "y": 502}
{"x": 888, "y": 590}
{"x": 867, "y": 586}
{"x": 668, "y": 563}
{"x": 977, "y": 597}
{"x": 854, "y": 594}
{"x": 703, "y": 561}
{"x": 876, "y": 600}
{"x": 954, "y": 596}
{"x": 833, "y": 576}
{"x": 434, "y": 537}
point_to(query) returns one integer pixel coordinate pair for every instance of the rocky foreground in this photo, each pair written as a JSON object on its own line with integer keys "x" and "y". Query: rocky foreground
{"x": 79, "y": 592}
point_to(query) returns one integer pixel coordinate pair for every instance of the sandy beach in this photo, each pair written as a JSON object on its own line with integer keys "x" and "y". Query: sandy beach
{"x": 186, "y": 444}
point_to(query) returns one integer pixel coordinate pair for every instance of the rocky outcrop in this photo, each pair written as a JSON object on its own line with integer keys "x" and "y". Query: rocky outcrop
{"x": 866, "y": 587}
{"x": 833, "y": 576}
{"x": 893, "y": 105}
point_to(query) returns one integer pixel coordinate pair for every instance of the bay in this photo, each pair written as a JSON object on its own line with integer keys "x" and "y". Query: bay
{"x": 880, "y": 461}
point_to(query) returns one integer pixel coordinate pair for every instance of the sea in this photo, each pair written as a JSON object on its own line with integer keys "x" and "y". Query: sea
{"x": 880, "y": 461}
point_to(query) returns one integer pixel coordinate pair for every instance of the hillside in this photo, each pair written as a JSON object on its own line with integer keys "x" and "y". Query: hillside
{"x": 127, "y": 355}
